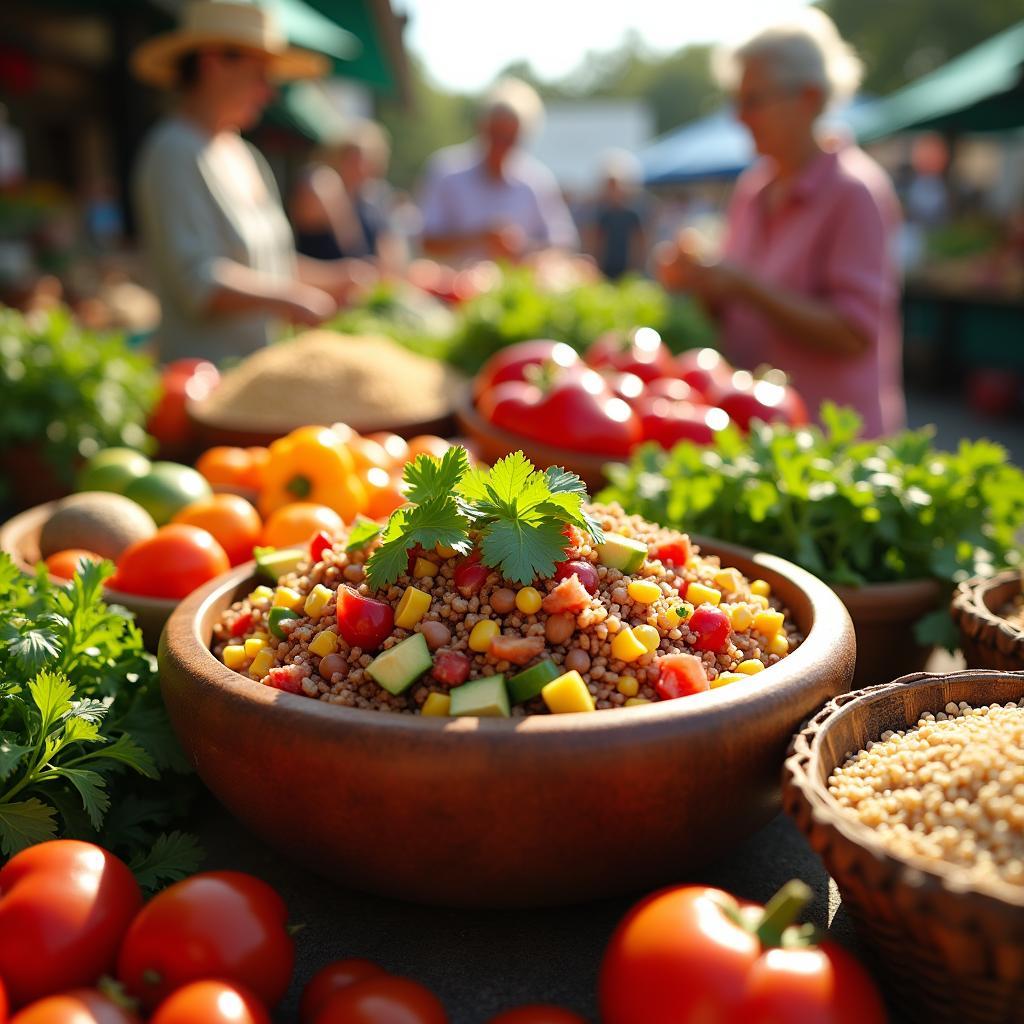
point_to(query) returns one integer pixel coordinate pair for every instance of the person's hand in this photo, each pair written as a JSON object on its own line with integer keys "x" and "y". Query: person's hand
{"x": 679, "y": 267}
{"x": 355, "y": 278}
{"x": 306, "y": 306}
{"x": 505, "y": 242}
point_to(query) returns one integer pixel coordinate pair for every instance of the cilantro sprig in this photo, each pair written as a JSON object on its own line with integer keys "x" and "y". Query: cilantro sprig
{"x": 516, "y": 513}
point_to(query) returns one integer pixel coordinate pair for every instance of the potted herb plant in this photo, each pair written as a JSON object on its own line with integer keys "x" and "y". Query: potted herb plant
{"x": 891, "y": 524}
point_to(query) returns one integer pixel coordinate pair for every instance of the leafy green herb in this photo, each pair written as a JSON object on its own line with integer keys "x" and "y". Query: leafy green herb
{"x": 363, "y": 531}
{"x": 850, "y": 511}
{"x": 684, "y": 611}
{"x": 516, "y": 514}
{"x": 83, "y": 734}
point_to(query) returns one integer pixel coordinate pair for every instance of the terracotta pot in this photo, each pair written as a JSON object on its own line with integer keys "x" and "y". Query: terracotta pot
{"x": 19, "y": 537}
{"x": 883, "y": 616}
{"x": 545, "y": 810}
{"x": 949, "y": 951}
{"x": 986, "y": 638}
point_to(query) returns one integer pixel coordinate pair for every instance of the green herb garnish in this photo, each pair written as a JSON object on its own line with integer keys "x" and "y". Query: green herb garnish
{"x": 363, "y": 531}
{"x": 84, "y": 737}
{"x": 516, "y": 514}
{"x": 684, "y": 611}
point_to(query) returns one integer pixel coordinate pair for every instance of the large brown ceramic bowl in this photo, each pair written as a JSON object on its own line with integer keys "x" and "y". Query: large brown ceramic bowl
{"x": 19, "y": 537}
{"x": 484, "y": 812}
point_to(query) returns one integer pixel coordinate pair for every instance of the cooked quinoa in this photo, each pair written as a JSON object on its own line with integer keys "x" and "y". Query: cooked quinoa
{"x": 760, "y": 630}
{"x": 950, "y": 789}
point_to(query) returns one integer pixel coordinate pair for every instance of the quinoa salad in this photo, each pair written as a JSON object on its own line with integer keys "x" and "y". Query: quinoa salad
{"x": 640, "y": 617}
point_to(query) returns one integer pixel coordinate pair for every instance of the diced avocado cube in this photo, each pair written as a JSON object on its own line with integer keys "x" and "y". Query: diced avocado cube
{"x": 622, "y": 553}
{"x": 483, "y": 698}
{"x": 527, "y": 684}
{"x": 273, "y": 563}
{"x": 275, "y": 617}
{"x": 397, "y": 668}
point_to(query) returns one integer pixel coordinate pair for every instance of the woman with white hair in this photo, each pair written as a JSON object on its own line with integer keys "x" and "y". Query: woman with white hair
{"x": 806, "y": 282}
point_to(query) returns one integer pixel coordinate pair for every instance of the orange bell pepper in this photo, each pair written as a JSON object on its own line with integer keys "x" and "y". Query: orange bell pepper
{"x": 312, "y": 464}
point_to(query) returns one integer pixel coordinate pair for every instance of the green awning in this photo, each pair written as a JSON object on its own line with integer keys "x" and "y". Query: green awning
{"x": 304, "y": 107}
{"x": 306, "y": 26}
{"x": 982, "y": 90}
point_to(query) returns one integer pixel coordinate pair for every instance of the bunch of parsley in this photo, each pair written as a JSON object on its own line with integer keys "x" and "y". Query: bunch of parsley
{"x": 516, "y": 514}
{"x": 86, "y": 750}
{"x": 848, "y": 510}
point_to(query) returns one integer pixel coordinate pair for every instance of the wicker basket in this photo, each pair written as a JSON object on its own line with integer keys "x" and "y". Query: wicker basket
{"x": 986, "y": 638}
{"x": 949, "y": 951}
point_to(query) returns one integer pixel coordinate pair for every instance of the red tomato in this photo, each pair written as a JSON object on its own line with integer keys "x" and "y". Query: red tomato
{"x": 172, "y": 563}
{"x": 712, "y": 627}
{"x": 221, "y": 924}
{"x": 680, "y": 675}
{"x": 747, "y": 399}
{"x": 179, "y": 381}
{"x": 537, "y": 1014}
{"x": 64, "y": 907}
{"x": 64, "y": 564}
{"x": 362, "y": 621}
{"x": 513, "y": 361}
{"x": 330, "y": 979}
{"x": 674, "y": 389}
{"x": 510, "y": 404}
{"x": 318, "y": 545}
{"x": 233, "y": 521}
{"x": 640, "y": 351}
{"x": 211, "y": 1002}
{"x": 470, "y": 576}
{"x": 81, "y": 1006}
{"x": 674, "y": 552}
{"x": 679, "y": 956}
{"x": 667, "y": 423}
{"x": 705, "y": 370}
{"x": 382, "y": 1000}
{"x": 585, "y": 572}
{"x": 629, "y": 387}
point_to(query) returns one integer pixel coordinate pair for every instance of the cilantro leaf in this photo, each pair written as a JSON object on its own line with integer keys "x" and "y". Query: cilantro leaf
{"x": 24, "y": 823}
{"x": 11, "y": 755}
{"x": 510, "y": 477}
{"x": 172, "y": 857}
{"x": 428, "y": 477}
{"x": 52, "y": 695}
{"x": 523, "y": 551}
{"x": 124, "y": 750}
{"x": 362, "y": 533}
{"x": 92, "y": 789}
{"x": 33, "y": 649}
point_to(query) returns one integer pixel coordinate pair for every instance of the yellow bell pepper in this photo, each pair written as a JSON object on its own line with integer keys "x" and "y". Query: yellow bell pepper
{"x": 312, "y": 464}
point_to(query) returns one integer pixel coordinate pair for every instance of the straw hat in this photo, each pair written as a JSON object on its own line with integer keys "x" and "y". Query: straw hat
{"x": 244, "y": 26}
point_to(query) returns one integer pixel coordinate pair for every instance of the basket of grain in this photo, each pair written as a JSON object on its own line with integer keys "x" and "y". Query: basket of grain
{"x": 368, "y": 382}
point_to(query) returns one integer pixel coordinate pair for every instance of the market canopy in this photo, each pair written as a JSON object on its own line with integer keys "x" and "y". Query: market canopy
{"x": 982, "y": 90}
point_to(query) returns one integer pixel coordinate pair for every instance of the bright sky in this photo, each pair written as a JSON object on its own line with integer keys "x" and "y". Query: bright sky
{"x": 464, "y": 43}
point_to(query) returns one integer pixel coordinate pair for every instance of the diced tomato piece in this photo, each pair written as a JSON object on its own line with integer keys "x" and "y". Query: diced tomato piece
{"x": 416, "y": 551}
{"x": 363, "y": 621}
{"x": 470, "y": 577}
{"x": 673, "y": 552}
{"x": 287, "y": 678}
{"x": 575, "y": 536}
{"x": 680, "y": 675}
{"x": 517, "y": 649}
{"x": 241, "y": 625}
{"x": 450, "y": 667}
{"x": 712, "y": 627}
{"x": 318, "y": 545}
{"x": 569, "y": 596}
{"x": 585, "y": 570}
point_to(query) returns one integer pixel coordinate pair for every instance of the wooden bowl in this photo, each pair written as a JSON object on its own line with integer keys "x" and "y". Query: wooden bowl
{"x": 493, "y": 443}
{"x": 986, "y": 638}
{"x": 19, "y": 537}
{"x": 550, "y": 809}
{"x": 950, "y": 952}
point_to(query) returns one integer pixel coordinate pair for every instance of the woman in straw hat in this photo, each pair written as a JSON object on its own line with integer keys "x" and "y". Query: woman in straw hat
{"x": 210, "y": 216}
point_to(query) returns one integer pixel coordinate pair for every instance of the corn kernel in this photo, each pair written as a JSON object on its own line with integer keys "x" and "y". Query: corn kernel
{"x": 424, "y": 567}
{"x": 725, "y": 678}
{"x": 761, "y": 588}
{"x": 436, "y": 705}
{"x": 644, "y": 591}
{"x": 727, "y": 580}
{"x": 482, "y": 634}
{"x": 768, "y": 622}
{"x": 316, "y": 601}
{"x": 261, "y": 663}
{"x": 648, "y": 636}
{"x": 698, "y": 593}
{"x": 627, "y": 646}
{"x": 261, "y": 595}
{"x": 254, "y": 645}
{"x": 567, "y": 693}
{"x": 760, "y": 600}
{"x": 528, "y": 600}
{"x": 628, "y": 686}
{"x": 323, "y": 644}
{"x": 740, "y": 617}
{"x": 635, "y": 702}
{"x": 779, "y": 644}
{"x": 235, "y": 656}
{"x": 750, "y": 667}
{"x": 285, "y": 597}
{"x": 413, "y": 606}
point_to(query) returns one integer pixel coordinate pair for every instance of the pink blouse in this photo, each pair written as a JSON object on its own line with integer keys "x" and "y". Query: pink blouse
{"x": 830, "y": 237}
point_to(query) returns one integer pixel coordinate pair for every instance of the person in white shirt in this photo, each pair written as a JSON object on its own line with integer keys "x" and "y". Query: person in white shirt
{"x": 489, "y": 198}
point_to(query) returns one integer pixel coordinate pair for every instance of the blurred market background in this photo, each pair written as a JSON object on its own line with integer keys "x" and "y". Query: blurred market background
{"x": 941, "y": 108}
